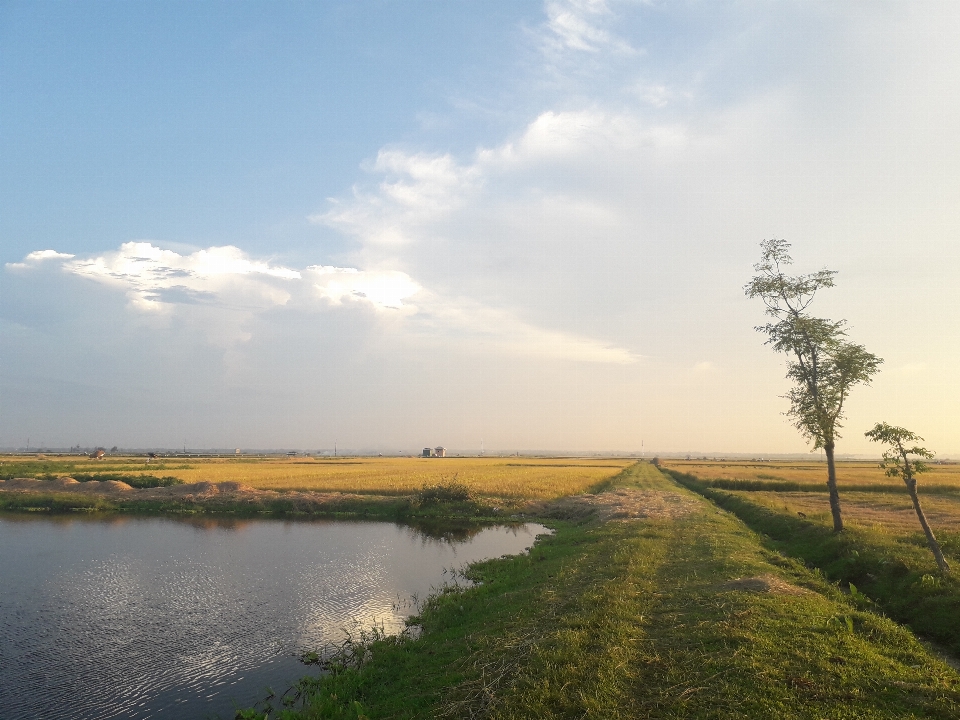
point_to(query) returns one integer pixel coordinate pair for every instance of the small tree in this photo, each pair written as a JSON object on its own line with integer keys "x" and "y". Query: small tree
{"x": 822, "y": 364}
{"x": 897, "y": 462}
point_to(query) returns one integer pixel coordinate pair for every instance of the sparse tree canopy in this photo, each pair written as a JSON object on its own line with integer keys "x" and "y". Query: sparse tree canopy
{"x": 898, "y": 463}
{"x": 822, "y": 363}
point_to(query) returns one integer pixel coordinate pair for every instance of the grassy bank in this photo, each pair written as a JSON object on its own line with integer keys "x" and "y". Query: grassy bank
{"x": 401, "y": 509}
{"x": 678, "y": 616}
{"x": 885, "y": 560}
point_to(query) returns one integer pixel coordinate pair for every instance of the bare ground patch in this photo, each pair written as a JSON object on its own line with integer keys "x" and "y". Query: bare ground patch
{"x": 622, "y": 504}
{"x": 763, "y": 584}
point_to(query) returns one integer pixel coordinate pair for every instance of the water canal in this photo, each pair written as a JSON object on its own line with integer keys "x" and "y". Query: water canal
{"x": 146, "y": 617}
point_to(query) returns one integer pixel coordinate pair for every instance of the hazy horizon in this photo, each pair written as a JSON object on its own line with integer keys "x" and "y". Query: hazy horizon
{"x": 285, "y": 225}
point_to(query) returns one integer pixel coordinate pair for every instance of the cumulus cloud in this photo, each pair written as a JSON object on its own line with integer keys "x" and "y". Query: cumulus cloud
{"x": 154, "y": 278}
{"x": 384, "y": 289}
{"x": 417, "y": 192}
{"x": 230, "y": 287}
{"x": 38, "y": 256}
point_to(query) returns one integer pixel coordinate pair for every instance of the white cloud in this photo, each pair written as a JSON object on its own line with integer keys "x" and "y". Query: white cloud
{"x": 415, "y": 189}
{"x": 155, "y": 279}
{"x": 46, "y": 255}
{"x": 500, "y": 330}
{"x": 575, "y": 25}
{"x": 383, "y": 289}
{"x": 221, "y": 288}
{"x": 38, "y": 256}
{"x": 418, "y": 191}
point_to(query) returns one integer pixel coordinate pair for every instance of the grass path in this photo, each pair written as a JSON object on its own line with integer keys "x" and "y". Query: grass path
{"x": 676, "y": 615}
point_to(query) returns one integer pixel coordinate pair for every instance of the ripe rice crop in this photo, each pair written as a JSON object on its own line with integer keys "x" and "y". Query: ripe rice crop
{"x": 849, "y": 473}
{"x": 509, "y": 477}
{"x": 500, "y": 477}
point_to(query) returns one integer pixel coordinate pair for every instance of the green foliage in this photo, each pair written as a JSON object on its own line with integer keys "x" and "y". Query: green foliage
{"x": 54, "y": 503}
{"x": 137, "y": 481}
{"x": 451, "y": 491}
{"x": 822, "y": 364}
{"x": 896, "y": 459}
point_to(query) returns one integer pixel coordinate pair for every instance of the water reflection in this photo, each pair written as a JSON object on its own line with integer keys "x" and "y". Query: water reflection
{"x": 113, "y": 616}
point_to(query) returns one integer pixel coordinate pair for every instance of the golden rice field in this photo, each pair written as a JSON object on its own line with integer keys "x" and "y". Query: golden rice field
{"x": 848, "y": 472}
{"x": 887, "y": 511}
{"x": 511, "y": 477}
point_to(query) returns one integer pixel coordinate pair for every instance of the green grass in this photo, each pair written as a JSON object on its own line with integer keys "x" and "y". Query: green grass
{"x": 895, "y": 570}
{"x": 637, "y": 620}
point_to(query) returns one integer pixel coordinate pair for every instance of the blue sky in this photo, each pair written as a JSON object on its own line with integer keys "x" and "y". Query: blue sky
{"x": 393, "y": 224}
{"x": 227, "y": 122}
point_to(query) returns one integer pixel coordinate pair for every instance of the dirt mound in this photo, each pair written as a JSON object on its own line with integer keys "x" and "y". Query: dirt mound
{"x": 111, "y": 486}
{"x": 23, "y": 483}
{"x": 235, "y": 487}
{"x": 62, "y": 482}
{"x": 622, "y": 504}
{"x": 203, "y": 490}
{"x": 763, "y": 584}
{"x": 192, "y": 491}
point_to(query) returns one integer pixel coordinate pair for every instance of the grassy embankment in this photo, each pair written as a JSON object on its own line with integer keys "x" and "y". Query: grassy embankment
{"x": 882, "y": 550}
{"x": 639, "y": 619}
{"x": 83, "y": 470}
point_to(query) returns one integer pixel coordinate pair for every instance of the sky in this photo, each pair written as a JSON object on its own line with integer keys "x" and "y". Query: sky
{"x": 515, "y": 225}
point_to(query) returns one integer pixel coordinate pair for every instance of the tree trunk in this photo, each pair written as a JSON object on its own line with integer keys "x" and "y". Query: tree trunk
{"x": 931, "y": 540}
{"x": 832, "y": 485}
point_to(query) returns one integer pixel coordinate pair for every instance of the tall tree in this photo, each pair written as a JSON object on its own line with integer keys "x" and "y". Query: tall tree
{"x": 821, "y": 362}
{"x": 897, "y": 462}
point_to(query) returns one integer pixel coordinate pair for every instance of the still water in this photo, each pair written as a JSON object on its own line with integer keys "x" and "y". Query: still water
{"x": 163, "y": 618}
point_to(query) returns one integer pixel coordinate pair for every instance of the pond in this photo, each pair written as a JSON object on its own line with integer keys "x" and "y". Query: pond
{"x": 147, "y": 617}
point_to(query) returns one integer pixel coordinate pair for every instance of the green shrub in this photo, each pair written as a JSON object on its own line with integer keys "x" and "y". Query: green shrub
{"x": 449, "y": 492}
{"x": 137, "y": 481}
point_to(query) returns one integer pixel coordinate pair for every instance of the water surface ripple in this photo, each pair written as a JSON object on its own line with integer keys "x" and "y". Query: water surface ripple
{"x": 162, "y": 618}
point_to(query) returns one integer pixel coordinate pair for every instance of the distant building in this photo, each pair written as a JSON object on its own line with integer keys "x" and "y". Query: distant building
{"x": 427, "y": 452}
{"x": 434, "y": 452}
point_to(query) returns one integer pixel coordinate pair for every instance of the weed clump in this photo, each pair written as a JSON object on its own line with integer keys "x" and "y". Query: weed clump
{"x": 443, "y": 493}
